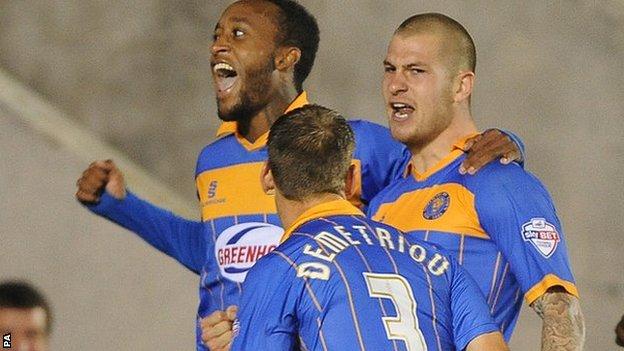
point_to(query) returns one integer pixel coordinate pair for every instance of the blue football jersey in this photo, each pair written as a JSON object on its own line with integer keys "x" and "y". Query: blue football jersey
{"x": 340, "y": 281}
{"x": 500, "y": 224}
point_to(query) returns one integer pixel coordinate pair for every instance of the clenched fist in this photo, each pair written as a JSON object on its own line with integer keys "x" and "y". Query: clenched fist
{"x": 217, "y": 329}
{"x": 99, "y": 177}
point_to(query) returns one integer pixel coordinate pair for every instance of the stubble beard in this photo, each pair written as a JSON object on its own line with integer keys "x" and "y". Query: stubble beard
{"x": 253, "y": 97}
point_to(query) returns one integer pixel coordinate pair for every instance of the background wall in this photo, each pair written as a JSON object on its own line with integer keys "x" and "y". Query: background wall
{"x": 135, "y": 73}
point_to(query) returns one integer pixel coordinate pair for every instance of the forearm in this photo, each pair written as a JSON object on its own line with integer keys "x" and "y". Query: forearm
{"x": 563, "y": 326}
{"x": 173, "y": 235}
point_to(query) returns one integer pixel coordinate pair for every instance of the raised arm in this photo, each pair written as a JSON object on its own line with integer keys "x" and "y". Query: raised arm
{"x": 563, "y": 325}
{"x": 101, "y": 188}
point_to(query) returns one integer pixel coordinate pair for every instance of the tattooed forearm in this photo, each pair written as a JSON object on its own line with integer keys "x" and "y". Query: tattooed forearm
{"x": 563, "y": 325}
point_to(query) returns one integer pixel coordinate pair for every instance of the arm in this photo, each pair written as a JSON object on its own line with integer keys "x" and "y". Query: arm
{"x": 102, "y": 190}
{"x": 488, "y": 342}
{"x": 267, "y": 316}
{"x": 472, "y": 322}
{"x": 563, "y": 325}
{"x": 517, "y": 212}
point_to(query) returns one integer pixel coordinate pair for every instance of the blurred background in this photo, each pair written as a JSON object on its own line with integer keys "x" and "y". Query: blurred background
{"x": 87, "y": 79}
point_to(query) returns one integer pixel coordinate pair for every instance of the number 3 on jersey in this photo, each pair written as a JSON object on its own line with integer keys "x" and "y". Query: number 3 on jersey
{"x": 404, "y": 326}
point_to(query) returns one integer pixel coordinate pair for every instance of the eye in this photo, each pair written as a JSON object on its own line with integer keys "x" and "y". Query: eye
{"x": 389, "y": 69}
{"x": 238, "y": 33}
{"x": 417, "y": 71}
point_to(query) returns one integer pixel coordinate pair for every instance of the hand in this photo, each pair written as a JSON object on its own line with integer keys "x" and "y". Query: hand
{"x": 619, "y": 333}
{"x": 100, "y": 176}
{"x": 217, "y": 329}
{"x": 486, "y": 147}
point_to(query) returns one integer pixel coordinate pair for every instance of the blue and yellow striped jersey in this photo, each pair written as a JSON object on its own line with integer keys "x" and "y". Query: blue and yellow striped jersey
{"x": 240, "y": 220}
{"x": 500, "y": 224}
{"x": 343, "y": 282}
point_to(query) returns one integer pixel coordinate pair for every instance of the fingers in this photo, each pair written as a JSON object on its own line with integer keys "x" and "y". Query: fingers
{"x": 231, "y": 312}
{"x": 491, "y": 146}
{"x": 217, "y": 329}
{"x": 92, "y": 182}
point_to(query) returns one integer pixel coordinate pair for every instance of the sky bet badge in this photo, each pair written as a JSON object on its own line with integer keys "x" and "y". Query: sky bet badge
{"x": 437, "y": 206}
{"x": 542, "y": 235}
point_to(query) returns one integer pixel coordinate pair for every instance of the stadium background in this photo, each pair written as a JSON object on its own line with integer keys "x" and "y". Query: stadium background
{"x": 83, "y": 79}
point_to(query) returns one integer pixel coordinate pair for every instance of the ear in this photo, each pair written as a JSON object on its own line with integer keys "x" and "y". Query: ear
{"x": 287, "y": 58}
{"x": 266, "y": 179}
{"x": 350, "y": 183}
{"x": 464, "y": 85}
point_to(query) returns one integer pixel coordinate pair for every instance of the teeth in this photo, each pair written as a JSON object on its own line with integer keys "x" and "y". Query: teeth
{"x": 223, "y": 66}
{"x": 398, "y": 106}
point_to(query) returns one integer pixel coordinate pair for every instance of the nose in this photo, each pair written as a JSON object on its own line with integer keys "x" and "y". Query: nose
{"x": 395, "y": 83}
{"x": 220, "y": 45}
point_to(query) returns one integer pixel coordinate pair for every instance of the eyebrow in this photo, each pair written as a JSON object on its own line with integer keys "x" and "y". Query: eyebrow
{"x": 240, "y": 20}
{"x": 416, "y": 64}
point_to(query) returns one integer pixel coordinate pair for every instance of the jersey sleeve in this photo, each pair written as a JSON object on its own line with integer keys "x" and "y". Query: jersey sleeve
{"x": 519, "y": 144}
{"x": 175, "y": 236}
{"x": 471, "y": 315}
{"x": 517, "y": 212}
{"x": 382, "y": 159}
{"x": 267, "y": 315}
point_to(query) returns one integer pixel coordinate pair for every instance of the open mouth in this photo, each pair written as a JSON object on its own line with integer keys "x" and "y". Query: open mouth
{"x": 225, "y": 76}
{"x": 401, "y": 111}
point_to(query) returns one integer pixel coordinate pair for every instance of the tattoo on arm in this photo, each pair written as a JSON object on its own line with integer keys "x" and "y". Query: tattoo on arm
{"x": 563, "y": 325}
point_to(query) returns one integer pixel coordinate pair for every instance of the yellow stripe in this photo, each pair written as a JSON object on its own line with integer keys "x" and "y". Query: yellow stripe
{"x": 406, "y": 213}
{"x": 227, "y": 197}
{"x": 457, "y": 150}
{"x": 549, "y": 281}
{"x": 326, "y": 209}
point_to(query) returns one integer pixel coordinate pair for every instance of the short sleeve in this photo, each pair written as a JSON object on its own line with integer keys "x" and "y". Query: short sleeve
{"x": 471, "y": 315}
{"x": 382, "y": 159}
{"x": 517, "y": 212}
{"x": 267, "y": 311}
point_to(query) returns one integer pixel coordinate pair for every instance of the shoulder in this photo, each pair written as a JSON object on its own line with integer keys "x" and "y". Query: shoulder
{"x": 369, "y": 134}
{"x": 497, "y": 178}
{"x": 362, "y": 127}
{"x": 390, "y": 193}
{"x": 225, "y": 152}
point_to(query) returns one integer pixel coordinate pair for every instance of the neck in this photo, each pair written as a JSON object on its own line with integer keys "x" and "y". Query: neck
{"x": 262, "y": 121}
{"x": 290, "y": 210}
{"x": 426, "y": 156}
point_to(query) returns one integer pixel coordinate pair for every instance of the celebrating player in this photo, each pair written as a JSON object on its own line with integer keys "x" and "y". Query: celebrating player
{"x": 340, "y": 281}
{"x": 500, "y": 224}
{"x": 262, "y": 52}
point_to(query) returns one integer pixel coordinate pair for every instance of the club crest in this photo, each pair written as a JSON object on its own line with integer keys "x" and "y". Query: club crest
{"x": 437, "y": 206}
{"x": 542, "y": 235}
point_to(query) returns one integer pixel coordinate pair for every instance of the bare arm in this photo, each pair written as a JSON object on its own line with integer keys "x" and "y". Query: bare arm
{"x": 563, "y": 325}
{"x": 488, "y": 342}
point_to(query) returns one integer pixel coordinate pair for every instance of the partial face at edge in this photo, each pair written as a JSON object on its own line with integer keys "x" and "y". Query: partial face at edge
{"x": 242, "y": 60}
{"x": 417, "y": 88}
{"x": 27, "y": 327}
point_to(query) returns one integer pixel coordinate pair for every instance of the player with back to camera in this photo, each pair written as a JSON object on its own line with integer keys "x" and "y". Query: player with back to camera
{"x": 340, "y": 281}
{"x": 500, "y": 224}
{"x": 262, "y": 52}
